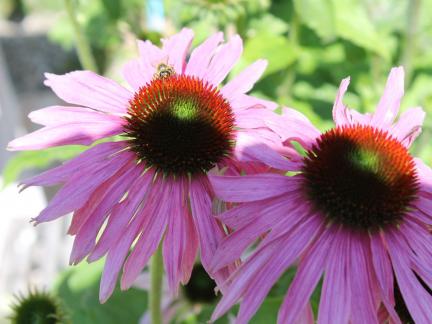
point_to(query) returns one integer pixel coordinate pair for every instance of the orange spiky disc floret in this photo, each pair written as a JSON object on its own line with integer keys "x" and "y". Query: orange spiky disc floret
{"x": 361, "y": 177}
{"x": 180, "y": 124}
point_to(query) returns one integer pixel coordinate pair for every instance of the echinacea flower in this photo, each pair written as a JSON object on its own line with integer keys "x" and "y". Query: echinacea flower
{"x": 149, "y": 182}
{"x": 356, "y": 211}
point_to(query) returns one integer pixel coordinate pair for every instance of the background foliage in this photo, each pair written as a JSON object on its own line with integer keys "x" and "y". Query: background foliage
{"x": 310, "y": 45}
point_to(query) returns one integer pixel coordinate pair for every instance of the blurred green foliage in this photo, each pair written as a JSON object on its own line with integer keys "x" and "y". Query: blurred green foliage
{"x": 311, "y": 45}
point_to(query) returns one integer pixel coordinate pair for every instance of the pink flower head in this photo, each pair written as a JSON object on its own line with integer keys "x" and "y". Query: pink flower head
{"x": 357, "y": 212}
{"x": 150, "y": 184}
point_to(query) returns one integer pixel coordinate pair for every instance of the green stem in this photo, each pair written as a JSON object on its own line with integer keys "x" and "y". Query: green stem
{"x": 83, "y": 47}
{"x": 155, "y": 295}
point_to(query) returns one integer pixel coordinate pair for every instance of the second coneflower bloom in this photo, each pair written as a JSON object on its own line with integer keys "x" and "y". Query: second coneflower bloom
{"x": 355, "y": 211}
{"x": 149, "y": 185}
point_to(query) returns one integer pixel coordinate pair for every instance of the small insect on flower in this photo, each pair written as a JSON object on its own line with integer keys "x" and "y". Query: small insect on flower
{"x": 163, "y": 71}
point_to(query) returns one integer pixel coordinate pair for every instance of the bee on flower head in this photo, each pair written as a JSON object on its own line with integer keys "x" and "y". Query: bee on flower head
{"x": 163, "y": 71}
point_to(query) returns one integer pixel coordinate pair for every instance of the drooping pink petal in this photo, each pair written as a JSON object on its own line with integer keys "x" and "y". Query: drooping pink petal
{"x": 76, "y": 133}
{"x": 82, "y": 214}
{"x": 175, "y": 237}
{"x": 85, "y": 88}
{"x": 335, "y": 301}
{"x": 241, "y": 280}
{"x": 268, "y": 275}
{"x": 251, "y": 187}
{"x": 384, "y": 273}
{"x": 122, "y": 214}
{"x": 388, "y": 106}
{"x": 409, "y": 125}
{"x": 243, "y": 82}
{"x": 308, "y": 274}
{"x": 118, "y": 252}
{"x": 76, "y": 191}
{"x": 88, "y": 161}
{"x": 269, "y": 215}
{"x": 110, "y": 193}
{"x": 55, "y": 115}
{"x": 210, "y": 233}
{"x": 224, "y": 60}
{"x": 201, "y": 56}
{"x": 154, "y": 220}
{"x": 363, "y": 308}
{"x": 190, "y": 248}
{"x": 417, "y": 300}
{"x": 176, "y": 47}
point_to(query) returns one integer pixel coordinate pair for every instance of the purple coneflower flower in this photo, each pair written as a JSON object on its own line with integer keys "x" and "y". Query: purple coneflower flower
{"x": 150, "y": 184}
{"x": 356, "y": 211}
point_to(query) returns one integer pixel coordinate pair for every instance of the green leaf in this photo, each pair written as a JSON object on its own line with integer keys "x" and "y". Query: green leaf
{"x": 78, "y": 287}
{"x": 279, "y": 52}
{"x": 26, "y": 160}
{"x": 317, "y": 15}
{"x": 352, "y": 23}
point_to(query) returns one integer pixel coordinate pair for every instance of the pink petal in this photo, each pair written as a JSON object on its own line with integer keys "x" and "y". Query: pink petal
{"x": 77, "y": 133}
{"x": 81, "y": 215}
{"x": 89, "y": 161}
{"x": 268, "y": 216}
{"x": 307, "y": 277}
{"x": 175, "y": 237}
{"x": 384, "y": 273}
{"x": 417, "y": 300}
{"x": 294, "y": 126}
{"x": 118, "y": 252}
{"x": 151, "y": 56}
{"x": 76, "y": 191}
{"x": 122, "y": 214}
{"x": 154, "y": 220}
{"x": 335, "y": 301}
{"x": 244, "y": 82}
{"x": 201, "y": 56}
{"x": 251, "y": 187}
{"x": 55, "y": 115}
{"x": 409, "y": 125}
{"x": 209, "y": 231}
{"x": 254, "y": 117}
{"x": 252, "y": 148}
{"x": 341, "y": 114}
{"x": 249, "y": 271}
{"x": 138, "y": 74}
{"x": 388, "y": 107}
{"x": 224, "y": 60}
{"x": 110, "y": 193}
{"x": 362, "y": 300}
{"x": 85, "y": 88}
{"x": 266, "y": 277}
{"x": 425, "y": 176}
{"x": 241, "y": 102}
{"x": 176, "y": 47}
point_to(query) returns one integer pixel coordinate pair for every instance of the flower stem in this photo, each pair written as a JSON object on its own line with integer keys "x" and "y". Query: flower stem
{"x": 156, "y": 275}
{"x": 83, "y": 47}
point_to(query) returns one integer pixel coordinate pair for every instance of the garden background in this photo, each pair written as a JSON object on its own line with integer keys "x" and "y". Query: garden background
{"x": 310, "y": 46}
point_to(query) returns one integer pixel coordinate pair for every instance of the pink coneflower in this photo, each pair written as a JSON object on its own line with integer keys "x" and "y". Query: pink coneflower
{"x": 356, "y": 211}
{"x": 150, "y": 184}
